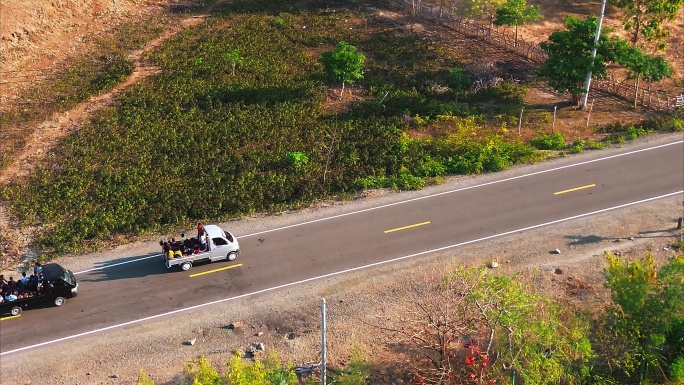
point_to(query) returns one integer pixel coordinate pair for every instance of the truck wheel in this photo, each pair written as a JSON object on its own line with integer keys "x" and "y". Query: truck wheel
{"x": 16, "y": 310}
{"x": 59, "y": 301}
{"x": 232, "y": 256}
{"x": 185, "y": 266}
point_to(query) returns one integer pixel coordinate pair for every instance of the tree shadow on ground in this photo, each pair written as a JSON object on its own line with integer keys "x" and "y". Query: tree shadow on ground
{"x": 578, "y": 240}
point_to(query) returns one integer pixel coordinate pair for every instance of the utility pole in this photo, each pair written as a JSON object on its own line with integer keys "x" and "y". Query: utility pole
{"x": 323, "y": 374}
{"x": 587, "y": 83}
{"x": 307, "y": 370}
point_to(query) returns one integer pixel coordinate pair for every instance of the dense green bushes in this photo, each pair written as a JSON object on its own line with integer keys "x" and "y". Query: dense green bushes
{"x": 89, "y": 77}
{"x": 549, "y": 142}
{"x": 642, "y": 334}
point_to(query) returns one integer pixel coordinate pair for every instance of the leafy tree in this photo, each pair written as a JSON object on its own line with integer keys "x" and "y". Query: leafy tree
{"x": 343, "y": 64}
{"x": 646, "y": 17}
{"x": 484, "y": 9}
{"x": 234, "y": 59}
{"x": 508, "y": 327}
{"x": 516, "y": 13}
{"x": 643, "y": 328}
{"x": 533, "y": 335}
{"x": 459, "y": 81}
{"x": 640, "y": 65}
{"x": 569, "y": 55}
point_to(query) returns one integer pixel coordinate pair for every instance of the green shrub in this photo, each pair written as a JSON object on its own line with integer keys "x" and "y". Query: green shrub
{"x": 549, "y": 142}
{"x": 495, "y": 161}
{"x": 144, "y": 379}
{"x": 576, "y": 149}
{"x": 596, "y": 145}
{"x": 588, "y": 375}
{"x": 431, "y": 168}
{"x": 677, "y": 125}
{"x": 634, "y": 132}
{"x": 298, "y": 159}
{"x": 577, "y": 146}
{"x": 677, "y": 370}
{"x": 115, "y": 71}
{"x": 643, "y": 325}
{"x": 267, "y": 371}
{"x": 406, "y": 181}
{"x": 369, "y": 182}
{"x": 202, "y": 372}
{"x": 610, "y": 128}
{"x": 679, "y": 245}
{"x": 356, "y": 372}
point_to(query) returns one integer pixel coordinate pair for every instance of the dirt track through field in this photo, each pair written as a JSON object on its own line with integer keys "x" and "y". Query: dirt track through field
{"x": 60, "y": 124}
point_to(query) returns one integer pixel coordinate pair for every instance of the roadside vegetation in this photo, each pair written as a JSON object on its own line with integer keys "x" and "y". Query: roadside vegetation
{"x": 247, "y": 116}
{"x": 471, "y": 326}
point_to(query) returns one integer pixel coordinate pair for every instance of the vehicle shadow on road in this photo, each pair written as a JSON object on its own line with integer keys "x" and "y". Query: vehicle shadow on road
{"x": 139, "y": 266}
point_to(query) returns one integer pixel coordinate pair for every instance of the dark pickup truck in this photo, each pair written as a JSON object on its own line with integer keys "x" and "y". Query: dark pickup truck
{"x": 56, "y": 285}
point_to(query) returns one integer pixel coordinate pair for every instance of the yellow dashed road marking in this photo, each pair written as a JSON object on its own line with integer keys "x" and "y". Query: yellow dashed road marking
{"x": 407, "y": 227}
{"x": 215, "y": 270}
{"x": 574, "y": 189}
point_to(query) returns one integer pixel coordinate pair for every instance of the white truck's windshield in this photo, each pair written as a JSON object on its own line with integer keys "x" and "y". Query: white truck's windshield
{"x": 228, "y": 236}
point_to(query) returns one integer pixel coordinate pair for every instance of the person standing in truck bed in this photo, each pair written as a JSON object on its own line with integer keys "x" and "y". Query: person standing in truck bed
{"x": 38, "y": 269}
{"x": 4, "y": 287}
{"x": 12, "y": 285}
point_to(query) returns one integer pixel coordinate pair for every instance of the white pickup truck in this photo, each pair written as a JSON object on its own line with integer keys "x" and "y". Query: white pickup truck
{"x": 221, "y": 245}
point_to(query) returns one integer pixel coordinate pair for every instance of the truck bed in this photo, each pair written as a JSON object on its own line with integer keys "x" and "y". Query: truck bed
{"x": 7, "y": 305}
{"x": 199, "y": 257}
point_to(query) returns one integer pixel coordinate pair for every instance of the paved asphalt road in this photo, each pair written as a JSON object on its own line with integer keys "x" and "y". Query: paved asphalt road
{"x": 130, "y": 292}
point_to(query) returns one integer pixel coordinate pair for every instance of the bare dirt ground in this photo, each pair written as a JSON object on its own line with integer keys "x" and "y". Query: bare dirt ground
{"x": 37, "y": 36}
